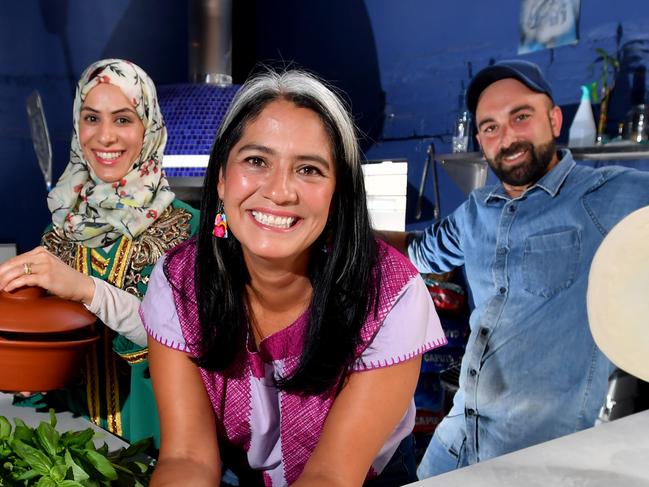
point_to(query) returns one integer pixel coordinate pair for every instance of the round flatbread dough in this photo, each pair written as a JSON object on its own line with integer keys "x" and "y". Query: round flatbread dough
{"x": 618, "y": 295}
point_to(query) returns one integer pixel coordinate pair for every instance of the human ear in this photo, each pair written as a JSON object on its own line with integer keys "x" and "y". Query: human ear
{"x": 477, "y": 139}
{"x": 556, "y": 120}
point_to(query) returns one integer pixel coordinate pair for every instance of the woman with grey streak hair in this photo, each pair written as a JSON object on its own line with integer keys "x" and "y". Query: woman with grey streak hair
{"x": 291, "y": 336}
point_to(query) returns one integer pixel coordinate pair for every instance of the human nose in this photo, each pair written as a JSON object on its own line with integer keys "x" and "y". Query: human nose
{"x": 280, "y": 187}
{"x": 507, "y": 136}
{"x": 107, "y": 133}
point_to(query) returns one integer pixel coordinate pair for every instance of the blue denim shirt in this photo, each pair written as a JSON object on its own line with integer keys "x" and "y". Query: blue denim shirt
{"x": 531, "y": 371}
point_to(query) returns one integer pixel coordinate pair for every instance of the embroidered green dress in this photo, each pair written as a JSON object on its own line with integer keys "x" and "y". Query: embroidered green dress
{"x": 114, "y": 390}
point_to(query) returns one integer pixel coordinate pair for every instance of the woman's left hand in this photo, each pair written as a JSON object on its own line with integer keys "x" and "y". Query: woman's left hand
{"x": 38, "y": 267}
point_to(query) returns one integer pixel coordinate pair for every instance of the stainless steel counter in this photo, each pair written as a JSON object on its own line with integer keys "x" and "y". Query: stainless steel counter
{"x": 610, "y": 455}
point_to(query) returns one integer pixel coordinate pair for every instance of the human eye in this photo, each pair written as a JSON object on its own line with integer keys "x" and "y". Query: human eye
{"x": 521, "y": 117}
{"x": 89, "y": 118}
{"x": 489, "y": 129}
{"x": 255, "y": 161}
{"x": 123, "y": 121}
{"x": 309, "y": 170}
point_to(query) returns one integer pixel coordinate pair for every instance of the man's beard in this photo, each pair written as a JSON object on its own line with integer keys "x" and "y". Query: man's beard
{"x": 528, "y": 171}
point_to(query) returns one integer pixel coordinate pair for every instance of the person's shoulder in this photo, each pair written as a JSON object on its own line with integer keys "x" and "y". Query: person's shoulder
{"x": 180, "y": 263}
{"x": 397, "y": 275}
{"x": 479, "y": 194}
{"x": 615, "y": 192}
{"x": 608, "y": 171}
{"x": 55, "y": 241}
{"x": 183, "y": 253}
{"x": 611, "y": 178}
{"x": 180, "y": 204}
{"x": 477, "y": 198}
{"x": 181, "y": 215}
{"x": 395, "y": 268}
{"x": 623, "y": 173}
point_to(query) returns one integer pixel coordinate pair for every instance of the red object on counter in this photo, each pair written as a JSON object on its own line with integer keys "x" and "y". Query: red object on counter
{"x": 446, "y": 295}
{"x": 43, "y": 340}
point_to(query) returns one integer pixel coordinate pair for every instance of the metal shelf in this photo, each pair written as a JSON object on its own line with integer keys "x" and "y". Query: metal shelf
{"x": 469, "y": 169}
{"x": 614, "y": 152}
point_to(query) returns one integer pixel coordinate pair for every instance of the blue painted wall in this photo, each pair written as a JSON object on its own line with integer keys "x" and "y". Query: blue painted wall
{"x": 421, "y": 51}
{"x": 401, "y": 63}
{"x": 424, "y": 53}
{"x": 44, "y": 46}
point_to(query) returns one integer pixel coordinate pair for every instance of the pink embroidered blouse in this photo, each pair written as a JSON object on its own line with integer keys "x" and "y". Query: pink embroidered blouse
{"x": 278, "y": 430}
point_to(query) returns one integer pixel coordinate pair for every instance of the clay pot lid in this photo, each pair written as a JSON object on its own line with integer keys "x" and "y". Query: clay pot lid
{"x": 30, "y": 310}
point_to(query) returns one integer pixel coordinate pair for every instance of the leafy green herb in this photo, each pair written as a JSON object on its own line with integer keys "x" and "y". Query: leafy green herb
{"x": 43, "y": 457}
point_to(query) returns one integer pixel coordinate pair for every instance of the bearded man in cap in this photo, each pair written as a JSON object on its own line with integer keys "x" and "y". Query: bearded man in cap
{"x": 531, "y": 371}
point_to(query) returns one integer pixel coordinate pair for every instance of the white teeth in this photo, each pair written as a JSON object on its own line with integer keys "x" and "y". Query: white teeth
{"x": 514, "y": 156}
{"x": 109, "y": 155}
{"x": 272, "y": 220}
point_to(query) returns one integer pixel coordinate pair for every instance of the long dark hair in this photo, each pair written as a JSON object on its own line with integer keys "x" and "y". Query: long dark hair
{"x": 345, "y": 288}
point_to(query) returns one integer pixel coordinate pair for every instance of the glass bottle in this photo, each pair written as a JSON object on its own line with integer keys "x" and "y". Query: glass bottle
{"x": 462, "y": 126}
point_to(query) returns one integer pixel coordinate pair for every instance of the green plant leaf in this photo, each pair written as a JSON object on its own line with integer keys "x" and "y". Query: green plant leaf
{"x": 35, "y": 458}
{"x": 5, "y": 428}
{"x": 43, "y": 457}
{"x": 22, "y": 431}
{"x": 135, "y": 449}
{"x": 57, "y": 472}
{"x": 142, "y": 466}
{"x": 101, "y": 463}
{"x": 45, "y": 482}
{"x": 78, "y": 473}
{"x": 28, "y": 475}
{"x": 48, "y": 438}
{"x": 77, "y": 439}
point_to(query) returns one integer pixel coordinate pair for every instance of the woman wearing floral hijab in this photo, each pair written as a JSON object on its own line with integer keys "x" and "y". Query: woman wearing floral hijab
{"x": 113, "y": 216}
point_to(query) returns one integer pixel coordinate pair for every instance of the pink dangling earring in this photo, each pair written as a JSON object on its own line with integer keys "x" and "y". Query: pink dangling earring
{"x": 220, "y": 223}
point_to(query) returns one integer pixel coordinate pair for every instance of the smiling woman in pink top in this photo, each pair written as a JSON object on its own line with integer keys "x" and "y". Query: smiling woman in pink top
{"x": 285, "y": 341}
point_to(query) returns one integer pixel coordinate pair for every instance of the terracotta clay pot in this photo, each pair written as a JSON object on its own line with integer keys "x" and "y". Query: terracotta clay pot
{"x": 32, "y": 310}
{"x": 43, "y": 340}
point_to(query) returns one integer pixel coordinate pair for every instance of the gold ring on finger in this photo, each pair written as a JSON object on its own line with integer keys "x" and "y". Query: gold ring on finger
{"x": 27, "y": 268}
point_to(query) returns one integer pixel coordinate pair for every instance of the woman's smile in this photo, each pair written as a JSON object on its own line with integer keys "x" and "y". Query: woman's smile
{"x": 270, "y": 220}
{"x": 107, "y": 158}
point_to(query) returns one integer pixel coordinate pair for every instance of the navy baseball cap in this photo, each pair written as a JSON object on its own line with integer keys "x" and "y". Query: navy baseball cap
{"x": 524, "y": 71}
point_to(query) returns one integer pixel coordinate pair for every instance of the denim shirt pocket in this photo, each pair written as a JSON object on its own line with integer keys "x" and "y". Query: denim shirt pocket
{"x": 551, "y": 262}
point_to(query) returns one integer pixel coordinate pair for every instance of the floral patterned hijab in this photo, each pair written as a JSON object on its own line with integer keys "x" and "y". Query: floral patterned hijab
{"x": 92, "y": 212}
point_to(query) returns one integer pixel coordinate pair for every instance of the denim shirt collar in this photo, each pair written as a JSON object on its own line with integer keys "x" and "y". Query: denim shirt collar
{"x": 550, "y": 183}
